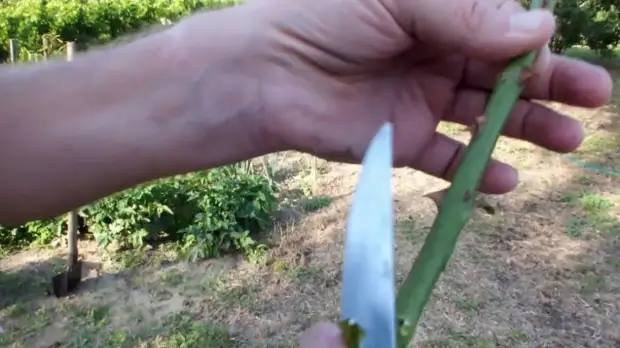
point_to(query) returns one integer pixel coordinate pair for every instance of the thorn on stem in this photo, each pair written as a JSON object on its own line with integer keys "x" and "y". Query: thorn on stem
{"x": 436, "y": 196}
{"x": 526, "y": 74}
{"x": 474, "y": 129}
{"x": 467, "y": 195}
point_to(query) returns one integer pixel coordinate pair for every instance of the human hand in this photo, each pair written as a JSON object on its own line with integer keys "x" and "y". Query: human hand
{"x": 322, "y": 335}
{"x": 333, "y": 72}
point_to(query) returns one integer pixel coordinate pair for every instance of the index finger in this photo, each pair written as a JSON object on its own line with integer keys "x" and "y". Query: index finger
{"x": 565, "y": 80}
{"x": 322, "y": 335}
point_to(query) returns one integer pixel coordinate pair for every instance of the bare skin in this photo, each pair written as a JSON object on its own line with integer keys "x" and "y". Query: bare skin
{"x": 272, "y": 75}
{"x": 322, "y": 335}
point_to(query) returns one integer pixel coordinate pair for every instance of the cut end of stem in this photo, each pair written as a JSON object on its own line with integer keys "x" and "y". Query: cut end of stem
{"x": 352, "y": 333}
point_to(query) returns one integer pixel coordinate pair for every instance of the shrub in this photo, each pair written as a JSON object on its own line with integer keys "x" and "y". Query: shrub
{"x": 207, "y": 213}
{"x": 86, "y": 22}
{"x": 35, "y": 232}
{"x": 592, "y": 23}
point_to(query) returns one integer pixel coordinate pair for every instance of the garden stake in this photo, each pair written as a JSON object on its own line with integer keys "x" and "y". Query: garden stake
{"x": 457, "y": 204}
{"x": 67, "y": 282}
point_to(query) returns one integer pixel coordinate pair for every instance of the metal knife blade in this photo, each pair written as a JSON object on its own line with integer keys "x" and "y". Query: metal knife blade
{"x": 368, "y": 292}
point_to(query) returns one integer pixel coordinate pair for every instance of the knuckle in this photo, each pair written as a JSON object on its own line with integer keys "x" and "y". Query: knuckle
{"x": 474, "y": 17}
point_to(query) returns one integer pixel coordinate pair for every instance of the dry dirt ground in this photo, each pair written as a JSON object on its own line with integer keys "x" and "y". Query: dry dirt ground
{"x": 539, "y": 269}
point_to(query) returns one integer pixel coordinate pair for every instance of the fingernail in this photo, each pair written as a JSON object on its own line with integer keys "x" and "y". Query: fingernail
{"x": 526, "y": 23}
{"x": 543, "y": 60}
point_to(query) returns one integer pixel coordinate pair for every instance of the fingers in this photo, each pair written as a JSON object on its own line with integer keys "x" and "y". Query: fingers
{"x": 564, "y": 80}
{"x": 489, "y": 30}
{"x": 322, "y": 335}
{"x": 529, "y": 121}
{"x": 443, "y": 155}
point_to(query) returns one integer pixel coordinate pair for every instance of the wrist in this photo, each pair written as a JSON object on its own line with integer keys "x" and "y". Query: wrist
{"x": 220, "y": 59}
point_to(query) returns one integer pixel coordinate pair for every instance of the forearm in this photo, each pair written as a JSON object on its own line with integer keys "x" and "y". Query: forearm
{"x": 74, "y": 132}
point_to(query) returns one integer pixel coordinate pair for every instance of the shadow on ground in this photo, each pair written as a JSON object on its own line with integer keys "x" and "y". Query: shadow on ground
{"x": 28, "y": 282}
{"x": 154, "y": 300}
{"x": 543, "y": 271}
{"x": 115, "y": 308}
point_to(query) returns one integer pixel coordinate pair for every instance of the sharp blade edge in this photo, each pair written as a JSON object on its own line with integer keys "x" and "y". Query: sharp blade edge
{"x": 368, "y": 293}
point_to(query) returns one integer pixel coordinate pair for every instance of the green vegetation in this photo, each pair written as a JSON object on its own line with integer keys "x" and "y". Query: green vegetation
{"x": 591, "y": 23}
{"x": 206, "y": 213}
{"x": 86, "y": 22}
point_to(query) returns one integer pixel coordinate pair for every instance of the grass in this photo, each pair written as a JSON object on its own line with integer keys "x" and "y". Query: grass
{"x": 584, "y": 53}
{"x": 539, "y": 269}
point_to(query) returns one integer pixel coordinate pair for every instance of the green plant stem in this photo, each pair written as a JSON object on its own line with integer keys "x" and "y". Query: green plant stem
{"x": 458, "y": 203}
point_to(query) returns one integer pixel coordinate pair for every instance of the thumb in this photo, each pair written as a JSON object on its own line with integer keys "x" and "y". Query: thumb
{"x": 322, "y": 335}
{"x": 488, "y": 30}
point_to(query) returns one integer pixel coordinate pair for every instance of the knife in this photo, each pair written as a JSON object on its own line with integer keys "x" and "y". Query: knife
{"x": 367, "y": 303}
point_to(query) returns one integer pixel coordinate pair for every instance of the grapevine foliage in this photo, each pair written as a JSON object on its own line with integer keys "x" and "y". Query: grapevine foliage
{"x": 86, "y": 22}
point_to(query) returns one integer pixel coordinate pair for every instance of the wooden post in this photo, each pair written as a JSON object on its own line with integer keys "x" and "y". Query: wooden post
{"x": 70, "y": 50}
{"x": 13, "y": 51}
{"x": 45, "y": 49}
{"x": 72, "y": 218}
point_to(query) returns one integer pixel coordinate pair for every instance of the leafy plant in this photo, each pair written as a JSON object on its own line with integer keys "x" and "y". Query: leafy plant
{"x": 207, "y": 213}
{"x": 87, "y": 22}
{"x": 18, "y": 237}
{"x": 592, "y": 23}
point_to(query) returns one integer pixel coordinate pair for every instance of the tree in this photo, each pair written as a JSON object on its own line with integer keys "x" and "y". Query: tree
{"x": 592, "y": 23}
